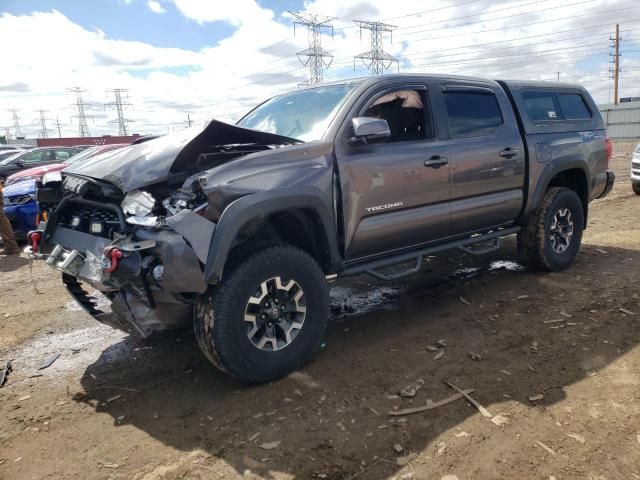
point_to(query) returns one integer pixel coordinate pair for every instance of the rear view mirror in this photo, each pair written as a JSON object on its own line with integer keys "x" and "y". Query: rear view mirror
{"x": 370, "y": 129}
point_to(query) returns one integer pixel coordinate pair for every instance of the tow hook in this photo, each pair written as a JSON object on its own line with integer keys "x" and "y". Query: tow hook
{"x": 113, "y": 254}
{"x": 34, "y": 238}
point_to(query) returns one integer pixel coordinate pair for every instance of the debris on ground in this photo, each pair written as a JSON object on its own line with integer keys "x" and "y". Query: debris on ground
{"x": 476, "y": 357}
{"x": 576, "y": 436}
{"x": 464, "y": 300}
{"x": 439, "y": 355}
{"x": 431, "y": 405}
{"x": 24, "y": 397}
{"x": 4, "y": 373}
{"x": 398, "y": 448}
{"x": 500, "y": 420}
{"x": 406, "y": 459}
{"x": 485, "y": 413}
{"x": 270, "y": 445}
{"x": 546, "y": 447}
{"x": 49, "y": 361}
{"x": 411, "y": 390}
{"x": 628, "y": 312}
{"x": 536, "y": 398}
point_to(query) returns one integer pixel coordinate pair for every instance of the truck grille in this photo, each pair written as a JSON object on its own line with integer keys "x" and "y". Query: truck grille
{"x": 89, "y": 219}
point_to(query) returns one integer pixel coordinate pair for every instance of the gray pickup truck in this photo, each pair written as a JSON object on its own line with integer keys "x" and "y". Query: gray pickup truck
{"x": 236, "y": 228}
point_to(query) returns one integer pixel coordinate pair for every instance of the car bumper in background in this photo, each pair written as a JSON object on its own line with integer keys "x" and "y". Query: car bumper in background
{"x": 22, "y": 217}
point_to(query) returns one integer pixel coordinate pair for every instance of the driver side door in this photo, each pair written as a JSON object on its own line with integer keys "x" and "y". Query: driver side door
{"x": 395, "y": 195}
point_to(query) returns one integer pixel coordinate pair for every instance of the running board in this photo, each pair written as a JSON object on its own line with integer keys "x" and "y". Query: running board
{"x": 466, "y": 245}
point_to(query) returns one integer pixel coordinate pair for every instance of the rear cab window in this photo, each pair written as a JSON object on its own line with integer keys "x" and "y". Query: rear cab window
{"x": 555, "y": 106}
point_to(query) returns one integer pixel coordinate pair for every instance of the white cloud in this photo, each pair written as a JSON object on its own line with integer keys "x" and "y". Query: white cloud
{"x": 155, "y": 6}
{"x": 258, "y": 59}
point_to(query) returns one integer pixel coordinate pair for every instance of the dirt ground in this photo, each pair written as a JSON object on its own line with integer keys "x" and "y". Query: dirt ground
{"x": 555, "y": 358}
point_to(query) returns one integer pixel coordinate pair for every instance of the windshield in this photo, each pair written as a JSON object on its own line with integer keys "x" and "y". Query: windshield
{"x": 304, "y": 115}
{"x": 7, "y": 161}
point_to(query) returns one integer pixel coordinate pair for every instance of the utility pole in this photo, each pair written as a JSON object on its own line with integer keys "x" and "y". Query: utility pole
{"x": 83, "y": 128}
{"x": 44, "y": 133}
{"x": 376, "y": 59}
{"x": 16, "y": 123}
{"x": 7, "y": 132}
{"x": 558, "y": 76}
{"x": 616, "y": 63}
{"x": 317, "y": 58}
{"x": 118, "y": 93}
{"x": 58, "y": 126}
{"x": 189, "y": 121}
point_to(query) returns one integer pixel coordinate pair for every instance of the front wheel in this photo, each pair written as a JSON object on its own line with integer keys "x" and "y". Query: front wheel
{"x": 551, "y": 237}
{"x": 267, "y": 317}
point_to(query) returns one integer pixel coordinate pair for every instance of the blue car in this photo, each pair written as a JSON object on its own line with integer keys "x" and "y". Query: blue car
{"x": 21, "y": 207}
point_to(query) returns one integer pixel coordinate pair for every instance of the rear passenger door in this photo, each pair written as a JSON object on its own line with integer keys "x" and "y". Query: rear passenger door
{"x": 487, "y": 157}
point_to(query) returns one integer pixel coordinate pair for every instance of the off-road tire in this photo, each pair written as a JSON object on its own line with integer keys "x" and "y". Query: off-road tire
{"x": 219, "y": 316}
{"x": 534, "y": 241}
{"x": 636, "y": 188}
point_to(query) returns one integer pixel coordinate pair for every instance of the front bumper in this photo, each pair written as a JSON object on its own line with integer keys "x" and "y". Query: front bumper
{"x": 635, "y": 168}
{"x": 611, "y": 178}
{"x": 153, "y": 287}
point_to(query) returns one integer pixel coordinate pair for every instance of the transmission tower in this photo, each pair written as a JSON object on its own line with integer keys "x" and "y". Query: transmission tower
{"x": 376, "y": 59}
{"x": 119, "y": 105}
{"x": 44, "y": 133}
{"x": 83, "y": 128}
{"x": 16, "y": 123}
{"x": 317, "y": 58}
{"x": 58, "y": 127}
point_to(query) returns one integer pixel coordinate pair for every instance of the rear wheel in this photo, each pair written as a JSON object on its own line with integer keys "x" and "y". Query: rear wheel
{"x": 267, "y": 317}
{"x": 551, "y": 238}
{"x": 636, "y": 188}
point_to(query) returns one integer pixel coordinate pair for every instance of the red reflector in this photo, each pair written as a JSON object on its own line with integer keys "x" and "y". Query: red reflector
{"x": 609, "y": 144}
{"x": 114, "y": 255}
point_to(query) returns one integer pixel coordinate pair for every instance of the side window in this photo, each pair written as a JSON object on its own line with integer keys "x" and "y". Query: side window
{"x": 472, "y": 113}
{"x": 406, "y": 112}
{"x": 62, "y": 155}
{"x": 541, "y": 106}
{"x": 573, "y": 106}
{"x": 33, "y": 157}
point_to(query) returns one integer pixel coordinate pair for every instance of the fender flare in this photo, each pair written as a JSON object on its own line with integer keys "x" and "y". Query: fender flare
{"x": 550, "y": 171}
{"x": 262, "y": 204}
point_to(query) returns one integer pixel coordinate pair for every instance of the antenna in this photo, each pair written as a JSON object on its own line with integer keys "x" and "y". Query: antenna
{"x": 317, "y": 58}
{"x": 118, "y": 104}
{"x": 83, "y": 128}
{"x": 376, "y": 59}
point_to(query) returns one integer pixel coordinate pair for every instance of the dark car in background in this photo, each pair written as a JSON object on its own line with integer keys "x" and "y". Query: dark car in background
{"x": 37, "y": 172}
{"x": 34, "y": 158}
{"x": 4, "y": 154}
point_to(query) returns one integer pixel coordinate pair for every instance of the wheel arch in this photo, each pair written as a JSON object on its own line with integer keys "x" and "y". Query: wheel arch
{"x": 299, "y": 217}
{"x": 573, "y": 175}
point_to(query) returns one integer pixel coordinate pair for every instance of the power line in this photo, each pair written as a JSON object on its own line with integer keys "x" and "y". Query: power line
{"x": 315, "y": 55}
{"x": 16, "y": 122}
{"x": 555, "y": 7}
{"x": 520, "y": 26}
{"x": 378, "y": 60}
{"x": 83, "y": 127}
{"x": 119, "y": 105}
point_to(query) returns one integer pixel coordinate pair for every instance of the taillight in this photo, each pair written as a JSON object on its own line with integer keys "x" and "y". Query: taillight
{"x": 609, "y": 144}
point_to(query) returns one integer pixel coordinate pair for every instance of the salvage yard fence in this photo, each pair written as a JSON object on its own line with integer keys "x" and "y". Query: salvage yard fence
{"x": 623, "y": 120}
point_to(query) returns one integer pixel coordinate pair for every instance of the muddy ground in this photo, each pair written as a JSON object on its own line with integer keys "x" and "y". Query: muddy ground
{"x": 556, "y": 361}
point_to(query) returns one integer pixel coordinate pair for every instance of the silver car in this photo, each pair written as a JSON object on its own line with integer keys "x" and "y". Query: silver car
{"x": 635, "y": 170}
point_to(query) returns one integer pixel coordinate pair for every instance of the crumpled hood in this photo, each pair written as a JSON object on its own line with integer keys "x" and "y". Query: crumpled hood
{"x": 137, "y": 166}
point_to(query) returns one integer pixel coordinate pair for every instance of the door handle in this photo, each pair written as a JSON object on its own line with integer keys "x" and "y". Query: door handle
{"x": 509, "y": 152}
{"x": 436, "y": 161}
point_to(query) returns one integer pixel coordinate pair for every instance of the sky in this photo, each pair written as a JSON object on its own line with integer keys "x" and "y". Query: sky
{"x": 194, "y": 60}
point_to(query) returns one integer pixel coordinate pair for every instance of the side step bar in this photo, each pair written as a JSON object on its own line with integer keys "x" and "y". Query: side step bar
{"x": 466, "y": 245}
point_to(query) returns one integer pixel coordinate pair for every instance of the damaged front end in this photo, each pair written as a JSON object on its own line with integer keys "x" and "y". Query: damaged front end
{"x": 141, "y": 236}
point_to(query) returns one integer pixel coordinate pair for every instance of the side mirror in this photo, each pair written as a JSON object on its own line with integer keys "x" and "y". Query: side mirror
{"x": 20, "y": 163}
{"x": 370, "y": 129}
